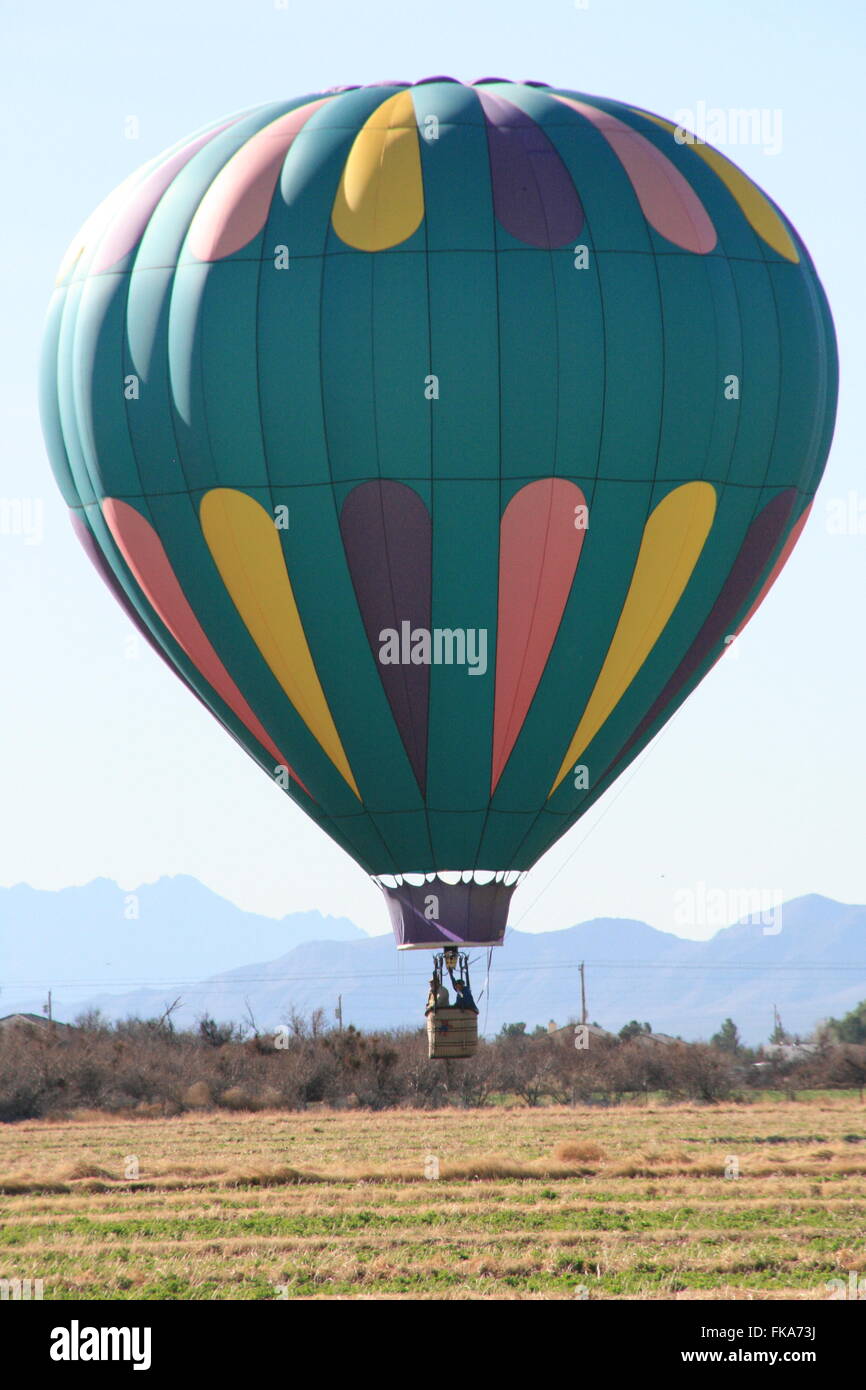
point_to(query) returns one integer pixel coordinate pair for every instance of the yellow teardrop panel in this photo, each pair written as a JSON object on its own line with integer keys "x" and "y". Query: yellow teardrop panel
{"x": 754, "y": 205}
{"x": 670, "y": 548}
{"x": 380, "y": 200}
{"x": 244, "y": 543}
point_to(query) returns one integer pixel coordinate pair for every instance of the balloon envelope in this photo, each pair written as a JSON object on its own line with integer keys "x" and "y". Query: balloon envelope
{"x": 441, "y": 437}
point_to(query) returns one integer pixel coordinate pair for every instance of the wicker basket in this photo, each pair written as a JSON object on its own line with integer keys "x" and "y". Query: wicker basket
{"x": 452, "y": 1032}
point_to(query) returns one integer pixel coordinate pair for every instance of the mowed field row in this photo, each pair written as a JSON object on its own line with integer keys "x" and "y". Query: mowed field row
{"x": 765, "y": 1200}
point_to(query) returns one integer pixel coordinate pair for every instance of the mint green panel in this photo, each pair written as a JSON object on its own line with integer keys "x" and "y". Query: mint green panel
{"x": 529, "y": 366}
{"x": 634, "y": 366}
{"x": 347, "y": 366}
{"x": 757, "y": 407}
{"x": 150, "y": 420}
{"x": 184, "y": 355}
{"x": 807, "y": 380}
{"x": 400, "y": 353}
{"x": 580, "y": 365}
{"x": 693, "y": 401}
{"x": 290, "y": 372}
{"x": 727, "y": 359}
{"x": 229, "y": 368}
{"x": 465, "y": 522}
{"x": 74, "y": 464}
{"x": 455, "y": 169}
{"x": 99, "y": 387}
{"x": 464, "y": 359}
{"x": 828, "y": 364}
{"x": 504, "y": 836}
{"x": 408, "y": 838}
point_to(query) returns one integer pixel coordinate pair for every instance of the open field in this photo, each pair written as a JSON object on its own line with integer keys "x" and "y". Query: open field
{"x": 630, "y": 1202}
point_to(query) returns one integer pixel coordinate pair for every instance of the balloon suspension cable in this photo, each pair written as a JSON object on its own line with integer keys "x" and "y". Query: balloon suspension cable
{"x": 485, "y": 992}
{"x": 453, "y": 960}
{"x": 456, "y": 964}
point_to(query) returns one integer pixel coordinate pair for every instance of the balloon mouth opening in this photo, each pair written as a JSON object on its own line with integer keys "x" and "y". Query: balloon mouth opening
{"x": 433, "y": 910}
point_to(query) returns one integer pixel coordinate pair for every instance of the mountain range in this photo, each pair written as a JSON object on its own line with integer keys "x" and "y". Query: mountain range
{"x": 133, "y": 954}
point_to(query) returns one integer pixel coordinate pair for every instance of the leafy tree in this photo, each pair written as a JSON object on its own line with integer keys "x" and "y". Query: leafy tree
{"x": 728, "y": 1037}
{"x": 215, "y": 1034}
{"x": 633, "y": 1030}
{"x": 778, "y": 1034}
{"x": 851, "y": 1028}
{"x": 513, "y": 1030}
{"x": 93, "y": 1021}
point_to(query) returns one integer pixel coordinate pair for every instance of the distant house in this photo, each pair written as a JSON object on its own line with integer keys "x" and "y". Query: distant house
{"x": 663, "y": 1039}
{"x": 789, "y": 1052}
{"x": 30, "y": 1021}
{"x": 567, "y": 1032}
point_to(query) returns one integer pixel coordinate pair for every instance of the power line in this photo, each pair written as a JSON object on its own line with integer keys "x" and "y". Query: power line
{"x": 624, "y": 966}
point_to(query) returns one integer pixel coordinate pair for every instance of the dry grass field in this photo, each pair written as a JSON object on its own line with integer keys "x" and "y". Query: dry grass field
{"x": 631, "y": 1202}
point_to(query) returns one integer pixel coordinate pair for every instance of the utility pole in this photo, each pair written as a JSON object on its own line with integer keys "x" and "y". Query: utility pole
{"x": 582, "y": 995}
{"x": 339, "y": 1012}
{"x": 46, "y": 1008}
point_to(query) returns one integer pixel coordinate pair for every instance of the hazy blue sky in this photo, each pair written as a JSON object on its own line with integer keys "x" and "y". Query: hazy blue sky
{"x": 111, "y": 768}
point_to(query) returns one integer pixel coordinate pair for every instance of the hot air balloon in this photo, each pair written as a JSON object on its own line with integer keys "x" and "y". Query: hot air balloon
{"x": 440, "y": 437}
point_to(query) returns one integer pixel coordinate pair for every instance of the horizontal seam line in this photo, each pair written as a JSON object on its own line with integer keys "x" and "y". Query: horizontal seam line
{"x": 493, "y": 479}
{"x": 566, "y": 249}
